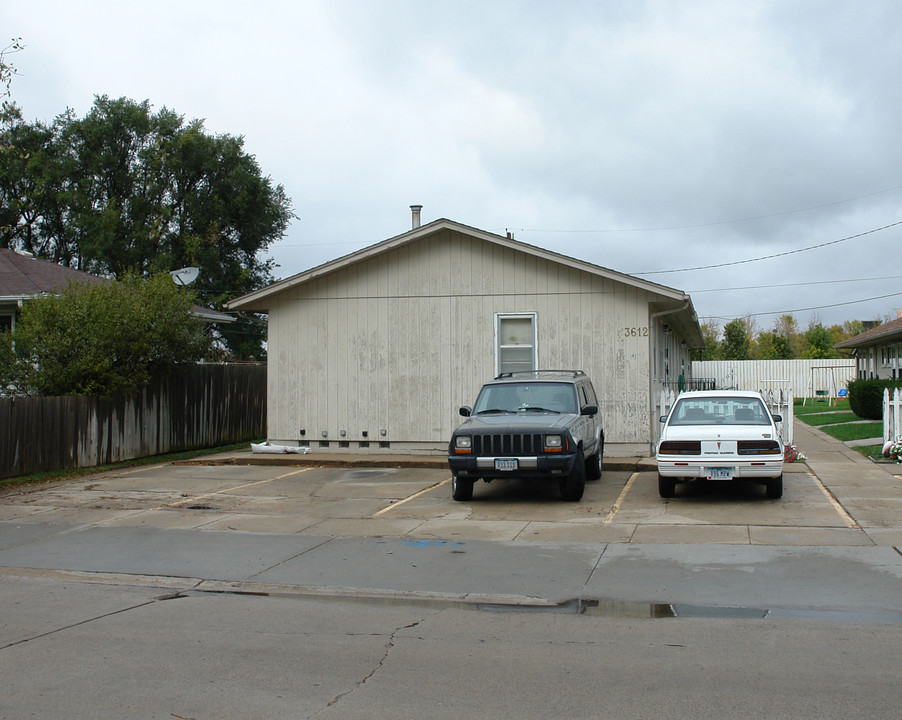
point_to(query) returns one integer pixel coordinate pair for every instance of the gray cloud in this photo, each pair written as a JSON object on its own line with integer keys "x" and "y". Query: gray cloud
{"x": 638, "y": 135}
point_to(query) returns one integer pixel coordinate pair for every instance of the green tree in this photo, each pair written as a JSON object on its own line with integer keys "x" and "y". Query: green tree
{"x": 771, "y": 346}
{"x": 8, "y": 70}
{"x": 736, "y": 343}
{"x": 818, "y": 342}
{"x": 787, "y": 327}
{"x": 710, "y": 334}
{"x": 101, "y": 339}
{"x": 128, "y": 189}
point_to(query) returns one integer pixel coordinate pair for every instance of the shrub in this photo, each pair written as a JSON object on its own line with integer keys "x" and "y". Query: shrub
{"x": 866, "y": 397}
{"x": 101, "y": 339}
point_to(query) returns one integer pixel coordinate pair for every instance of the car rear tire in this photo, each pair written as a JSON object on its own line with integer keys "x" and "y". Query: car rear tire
{"x": 666, "y": 486}
{"x": 573, "y": 486}
{"x": 461, "y": 490}
{"x": 775, "y": 488}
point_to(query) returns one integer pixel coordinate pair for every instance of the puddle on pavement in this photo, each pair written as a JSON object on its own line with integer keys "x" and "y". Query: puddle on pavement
{"x": 625, "y": 609}
{"x": 604, "y": 608}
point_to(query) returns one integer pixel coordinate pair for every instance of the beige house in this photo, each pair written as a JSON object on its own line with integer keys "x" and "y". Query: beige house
{"x": 878, "y": 351}
{"x": 377, "y": 350}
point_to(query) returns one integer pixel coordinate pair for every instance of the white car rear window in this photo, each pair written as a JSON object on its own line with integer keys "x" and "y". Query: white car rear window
{"x": 719, "y": 411}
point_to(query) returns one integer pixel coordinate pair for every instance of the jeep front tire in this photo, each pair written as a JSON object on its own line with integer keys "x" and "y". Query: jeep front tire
{"x": 573, "y": 486}
{"x": 461, "y": 490}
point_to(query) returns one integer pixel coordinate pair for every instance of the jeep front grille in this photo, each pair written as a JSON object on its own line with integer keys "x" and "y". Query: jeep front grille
{"x": 497, "y": 445}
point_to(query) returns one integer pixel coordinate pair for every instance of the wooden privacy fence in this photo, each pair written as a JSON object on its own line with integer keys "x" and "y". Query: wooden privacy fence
{"x": 205, "y": 406}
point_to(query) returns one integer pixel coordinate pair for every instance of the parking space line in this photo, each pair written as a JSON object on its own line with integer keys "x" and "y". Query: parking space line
{"x": 411, "y": 497}
{"x": 831, "y": 498}
{"x": 195, "y": 498}
{"x": 609, "y": 518}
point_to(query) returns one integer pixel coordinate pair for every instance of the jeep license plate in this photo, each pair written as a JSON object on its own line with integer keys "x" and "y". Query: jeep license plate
{"x": 507, "y": 464}
{"x": 720, "y": 473}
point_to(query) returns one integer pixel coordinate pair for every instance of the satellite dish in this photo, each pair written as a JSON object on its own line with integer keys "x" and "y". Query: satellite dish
{"x": 185, "y": 276}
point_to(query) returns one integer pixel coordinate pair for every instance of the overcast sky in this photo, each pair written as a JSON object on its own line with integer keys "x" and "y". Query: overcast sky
{"x": 645, "y": 137}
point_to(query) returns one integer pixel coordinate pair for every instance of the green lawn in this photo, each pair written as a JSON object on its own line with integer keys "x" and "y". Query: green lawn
{"x": 815, "y": 406}
{"x": 838, "y": 421}
{"x": 869, "y": 450}
{"x": 856, "y": 431}
{"x": 829, "y": 418}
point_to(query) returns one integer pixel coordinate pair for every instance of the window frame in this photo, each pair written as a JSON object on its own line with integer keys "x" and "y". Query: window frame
{"x": 534, "y": 321}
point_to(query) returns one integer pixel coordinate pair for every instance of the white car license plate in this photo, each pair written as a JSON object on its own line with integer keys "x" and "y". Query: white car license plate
{"x": 506, "y": 464}
{"x": 721, "y": 473}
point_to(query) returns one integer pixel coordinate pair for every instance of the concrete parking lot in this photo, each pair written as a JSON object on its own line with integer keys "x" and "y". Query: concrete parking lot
{"x": 623, "y": 507}
{"x": 837, "y": 498}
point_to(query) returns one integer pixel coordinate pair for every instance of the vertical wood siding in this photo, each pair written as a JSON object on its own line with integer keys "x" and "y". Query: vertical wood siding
{"x": 399, "y": 341}
{"x": 206, "y": 406}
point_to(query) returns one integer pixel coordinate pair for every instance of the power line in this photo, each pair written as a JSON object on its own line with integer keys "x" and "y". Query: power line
{"x": 796, "y": 284}
{"x": 806, "y": 309}
{"x": 770, "y": 257}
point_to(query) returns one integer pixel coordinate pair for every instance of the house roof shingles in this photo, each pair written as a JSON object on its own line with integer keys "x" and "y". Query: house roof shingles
{"x": 24, "y": 276}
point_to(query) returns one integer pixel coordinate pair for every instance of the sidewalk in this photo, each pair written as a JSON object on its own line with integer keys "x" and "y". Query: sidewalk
{"x": 819, "y": 448}
{"x": 864, "y": 490}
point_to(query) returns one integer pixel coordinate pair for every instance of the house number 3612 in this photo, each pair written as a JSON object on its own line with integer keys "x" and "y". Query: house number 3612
{"x": 629, "y": 332}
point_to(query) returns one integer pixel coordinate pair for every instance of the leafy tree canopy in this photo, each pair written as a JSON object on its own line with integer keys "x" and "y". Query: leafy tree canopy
{"x": 818, "y": 342}
{"x": 741, "y": 340}
{"x": 128, "y": 189}
{"x": 772, "y": 346}
{"x": 101, "y": 339}
{"x": 7, "y": 69}
{"x": 736, "y": 341}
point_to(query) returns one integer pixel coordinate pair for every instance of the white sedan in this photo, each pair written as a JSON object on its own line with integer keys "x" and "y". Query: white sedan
{"x": 720, "y": 435}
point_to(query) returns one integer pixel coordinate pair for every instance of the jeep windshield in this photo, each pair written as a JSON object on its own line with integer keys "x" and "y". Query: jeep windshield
{"x": 526, "y": 397}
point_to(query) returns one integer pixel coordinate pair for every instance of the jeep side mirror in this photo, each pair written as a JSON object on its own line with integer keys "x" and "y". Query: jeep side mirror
{"x": 777, "y": 418}
{"x": 662, "y": 419}
{"x": 589, "y": 410}
{"x": 466, "y": 411}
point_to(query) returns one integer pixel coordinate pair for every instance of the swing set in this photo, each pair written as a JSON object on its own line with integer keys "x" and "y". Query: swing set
{"x": 822, "y": 385}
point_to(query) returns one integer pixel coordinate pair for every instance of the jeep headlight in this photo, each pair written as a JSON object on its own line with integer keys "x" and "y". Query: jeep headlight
{"x": 463, "y": 444}
{"x": 554, "y": 443}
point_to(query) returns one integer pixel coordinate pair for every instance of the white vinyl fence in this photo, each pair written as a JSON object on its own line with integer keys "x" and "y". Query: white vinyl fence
{"x": 779, "y": 402}
{"x": 807, "y": 378}
{"x": 892, "y": 414}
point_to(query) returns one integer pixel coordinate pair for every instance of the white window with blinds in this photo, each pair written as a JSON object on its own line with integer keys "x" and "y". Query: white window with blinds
{"x": 516, "y": 348}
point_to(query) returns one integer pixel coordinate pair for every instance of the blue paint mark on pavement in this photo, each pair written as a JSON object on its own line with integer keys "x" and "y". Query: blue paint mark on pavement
{"x": 430, "y": 543}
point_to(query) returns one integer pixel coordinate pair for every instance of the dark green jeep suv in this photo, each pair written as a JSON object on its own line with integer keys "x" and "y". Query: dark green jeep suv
{"x": 542, "y": 425}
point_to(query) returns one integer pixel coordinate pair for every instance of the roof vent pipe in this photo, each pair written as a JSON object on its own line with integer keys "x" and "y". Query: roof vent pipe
{"x": 415, "y": 216}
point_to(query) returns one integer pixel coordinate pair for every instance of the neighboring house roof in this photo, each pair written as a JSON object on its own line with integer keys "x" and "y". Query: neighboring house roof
{"x": 881, "y": 335}
{"x": 686, "y": 319}
{"x": 23, "y": 276}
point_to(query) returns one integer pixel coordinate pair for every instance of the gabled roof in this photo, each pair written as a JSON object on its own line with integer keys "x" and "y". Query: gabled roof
{"x": 880, "y": 335}
{"x": 23, "y": 276}
{"x": 673, "y": 299}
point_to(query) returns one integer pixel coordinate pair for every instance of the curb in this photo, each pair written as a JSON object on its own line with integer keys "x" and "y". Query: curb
{"x": 395, "y": 461}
